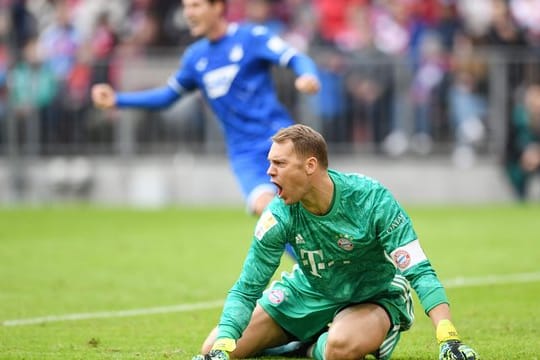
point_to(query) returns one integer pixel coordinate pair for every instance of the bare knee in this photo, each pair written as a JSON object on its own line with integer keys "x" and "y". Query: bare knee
{"x": 344, "y": 348}
{"x": 356, "y": 332}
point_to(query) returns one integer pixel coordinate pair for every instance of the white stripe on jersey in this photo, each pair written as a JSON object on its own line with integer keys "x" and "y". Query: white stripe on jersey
{"x": 173, "y": 84}
{"x": 405, "y": 257}
{"x": 287, "y": 56}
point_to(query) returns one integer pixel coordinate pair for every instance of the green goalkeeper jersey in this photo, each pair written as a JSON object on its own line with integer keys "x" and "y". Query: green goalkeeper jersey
{"x": 350, "y": 254}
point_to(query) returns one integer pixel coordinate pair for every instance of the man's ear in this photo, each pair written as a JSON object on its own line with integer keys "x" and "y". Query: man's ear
{"x": 221, "y": 7}
{"x": 311, "y": 165}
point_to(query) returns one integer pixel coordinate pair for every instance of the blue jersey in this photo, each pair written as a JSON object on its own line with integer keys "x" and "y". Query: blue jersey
{"x": 234, "y": 75}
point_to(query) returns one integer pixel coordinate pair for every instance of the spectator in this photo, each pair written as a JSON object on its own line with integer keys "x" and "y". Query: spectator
{"x": 366, "y": 74}
{"x": 370, "y": 93}
{"x": 59, "y": 45}
{"x": 527, "y": 15}
{"x": 427, "y": 81}
{"x": 393, "y": 30}
{"x": 523, "y": 147}
{"x": 332, "y": 17}
{"x": 262, "y": 12}
{"x": 4, "y": 66}
{"x": 103, "y": 42}
{"x": 476, "y": 16}
{"x": 60, "y": 42}
{"x": 24, "y": 26}
{"x": 506, "y": 39}
{"x": 141, "y": 30}
{"x": 77, "y": 97}
{"x": 33, "y": 87}
{"x": 329, "y": 105}
{"x": 467, "y": 101}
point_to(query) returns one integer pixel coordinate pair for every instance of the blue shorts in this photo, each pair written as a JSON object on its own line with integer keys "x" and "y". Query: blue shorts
{"x": 250, "y": 168}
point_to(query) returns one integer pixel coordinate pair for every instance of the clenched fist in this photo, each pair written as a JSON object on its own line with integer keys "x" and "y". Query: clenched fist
{"x": 103, "y": 96}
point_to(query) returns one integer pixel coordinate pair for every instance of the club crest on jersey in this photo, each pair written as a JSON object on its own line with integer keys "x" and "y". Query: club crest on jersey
{"x": 236, "y": 54}
{"x": 276, "y": 296}
{"x": 402, "y": 259}
{"x": 265, "y": 223}
{"x": 345, "y": 242}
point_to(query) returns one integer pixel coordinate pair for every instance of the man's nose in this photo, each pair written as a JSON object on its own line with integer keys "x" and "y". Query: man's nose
{"x": 270, "y": 170}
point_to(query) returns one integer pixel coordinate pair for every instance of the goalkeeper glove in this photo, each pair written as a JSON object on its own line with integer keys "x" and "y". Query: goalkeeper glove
{"x": 220, "y": 350}
{"x": 213, "y": 355}
{"x": 451, "y": 347}
{"x": 456, "y": 350}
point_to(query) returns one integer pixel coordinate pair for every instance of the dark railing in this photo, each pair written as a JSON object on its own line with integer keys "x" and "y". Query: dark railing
{"x": 370, "y": 103}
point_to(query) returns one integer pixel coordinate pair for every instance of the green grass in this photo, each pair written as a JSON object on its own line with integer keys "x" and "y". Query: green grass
{"x": 65, "y": 260}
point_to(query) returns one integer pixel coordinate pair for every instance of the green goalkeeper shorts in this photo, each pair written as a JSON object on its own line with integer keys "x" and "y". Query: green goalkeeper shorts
{"x": 304, "y": 313}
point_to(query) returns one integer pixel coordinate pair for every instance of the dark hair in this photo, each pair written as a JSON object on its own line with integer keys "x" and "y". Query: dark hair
{"x": 215, "y": 1}
{"x": 306, "y": 141}
{"x": 224, "y": 5}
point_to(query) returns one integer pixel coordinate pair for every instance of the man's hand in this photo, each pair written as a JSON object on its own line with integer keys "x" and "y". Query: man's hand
{"x": 456, "y": 350}
{"x": 307, "y": 84}
{"x": 103, "y": 96}
{"x": 451, "y": 347}
{"x": 220, "y": 351}
{"x": 213, "y": 355}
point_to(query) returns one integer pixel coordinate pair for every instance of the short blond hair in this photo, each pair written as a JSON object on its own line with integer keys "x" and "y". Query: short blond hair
{"x": 306, "y": 141}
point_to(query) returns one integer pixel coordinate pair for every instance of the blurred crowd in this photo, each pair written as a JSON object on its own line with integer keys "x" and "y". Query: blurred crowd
{"x": 401, "y": 75}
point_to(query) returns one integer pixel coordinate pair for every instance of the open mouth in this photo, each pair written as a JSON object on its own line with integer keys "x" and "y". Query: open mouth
{"x": 279, "y": 189}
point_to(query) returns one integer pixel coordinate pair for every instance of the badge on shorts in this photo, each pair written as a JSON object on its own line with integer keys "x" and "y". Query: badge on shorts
{"x": 276, "y": 296}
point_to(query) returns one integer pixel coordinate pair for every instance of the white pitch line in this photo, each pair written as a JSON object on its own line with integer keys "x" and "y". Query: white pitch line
{"x": 492, "y": 280}
{"x": 113, "y": 314}
{"x": 451, "y": 283}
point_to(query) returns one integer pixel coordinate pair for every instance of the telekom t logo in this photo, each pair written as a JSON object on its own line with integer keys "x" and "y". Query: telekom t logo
{"x": 309, "y": 258}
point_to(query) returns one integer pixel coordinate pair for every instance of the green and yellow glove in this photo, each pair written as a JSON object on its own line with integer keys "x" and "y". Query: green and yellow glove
{"x": 450, "y": 346}
{"x": 220, "y": 350}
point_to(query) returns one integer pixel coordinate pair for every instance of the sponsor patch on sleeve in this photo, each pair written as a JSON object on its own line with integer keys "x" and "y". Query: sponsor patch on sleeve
{"x": 265, "y": 223}
{"x": 407, "y": 256}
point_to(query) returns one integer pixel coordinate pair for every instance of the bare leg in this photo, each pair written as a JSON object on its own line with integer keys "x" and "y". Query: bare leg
{"x": 355, "y": 332}
{"x": 262, "y": 333}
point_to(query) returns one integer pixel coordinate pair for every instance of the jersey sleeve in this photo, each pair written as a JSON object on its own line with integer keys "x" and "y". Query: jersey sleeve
{"x": 157, "y": 98}
{"x": 177, "y": 84}
{"x": 273, "y": 48}
{"x": 184, "y": 79}
{"x": 396, "y": 232}
{"x": 261, "y": 263}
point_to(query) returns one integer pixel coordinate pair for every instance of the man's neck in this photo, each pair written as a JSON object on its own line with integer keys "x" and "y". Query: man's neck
{"x": 322, "y": 194}
{"x": 218, "y": 31}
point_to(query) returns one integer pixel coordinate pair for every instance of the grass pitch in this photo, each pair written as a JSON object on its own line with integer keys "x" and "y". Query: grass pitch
{"x": 95, "y": 283}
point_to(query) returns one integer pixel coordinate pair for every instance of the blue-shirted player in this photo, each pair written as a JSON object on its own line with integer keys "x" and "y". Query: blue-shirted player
{"x": 231, "y": 66}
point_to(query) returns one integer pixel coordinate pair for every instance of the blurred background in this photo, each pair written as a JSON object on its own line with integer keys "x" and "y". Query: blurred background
{"x": 439, "y": 99}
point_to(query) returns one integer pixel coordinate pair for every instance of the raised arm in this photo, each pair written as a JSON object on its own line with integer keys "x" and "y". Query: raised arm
{"x": 105, "y": 97}
{"x": 307, "y": 80}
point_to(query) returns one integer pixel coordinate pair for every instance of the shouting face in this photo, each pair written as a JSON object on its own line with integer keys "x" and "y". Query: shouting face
{"x": 289, "y": 172}
{"x": 205, "y": 18}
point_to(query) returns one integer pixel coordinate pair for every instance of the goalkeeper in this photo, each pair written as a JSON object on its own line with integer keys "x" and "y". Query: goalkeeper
{"x": 358, "y": 255}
